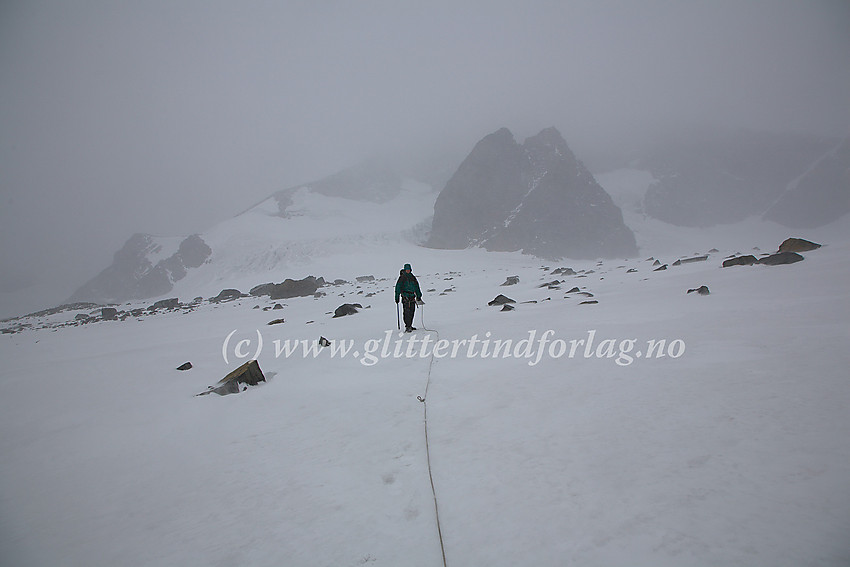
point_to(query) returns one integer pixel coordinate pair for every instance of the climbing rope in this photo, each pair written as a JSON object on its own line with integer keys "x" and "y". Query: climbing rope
{"x": 423, "y": 399}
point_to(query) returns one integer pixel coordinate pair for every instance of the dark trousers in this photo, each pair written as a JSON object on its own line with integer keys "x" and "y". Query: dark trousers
{"x": 409, "y": 304}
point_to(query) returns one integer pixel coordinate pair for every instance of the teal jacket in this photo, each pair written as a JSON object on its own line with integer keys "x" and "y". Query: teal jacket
{"x": 408, "y": 286}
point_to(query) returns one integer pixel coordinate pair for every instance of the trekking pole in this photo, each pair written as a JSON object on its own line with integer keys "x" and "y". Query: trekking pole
{"x": 397, "y": 315}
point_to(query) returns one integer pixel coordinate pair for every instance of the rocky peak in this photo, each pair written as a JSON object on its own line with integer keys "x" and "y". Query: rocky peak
{"x": 536, "y": 197}
{"x": 143, "y": 268}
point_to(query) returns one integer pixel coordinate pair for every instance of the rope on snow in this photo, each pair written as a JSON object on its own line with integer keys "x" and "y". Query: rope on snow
{"x": 427, "y": 445}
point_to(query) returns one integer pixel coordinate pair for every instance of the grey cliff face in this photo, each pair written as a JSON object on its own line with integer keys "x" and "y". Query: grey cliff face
{"x": 133, "y": 276}
{"x": 535, "y": 197}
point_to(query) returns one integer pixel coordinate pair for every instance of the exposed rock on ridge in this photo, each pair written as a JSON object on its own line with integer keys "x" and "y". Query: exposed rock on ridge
{"x": 133, "y": 275}
{"x": 535, "y": 197}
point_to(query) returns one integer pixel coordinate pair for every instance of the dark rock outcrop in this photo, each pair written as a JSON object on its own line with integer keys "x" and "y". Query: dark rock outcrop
{"x": 109, "y": 314}
{"x": 227, "y": 295}
{"x": 248, "y": 374}
{"x": 185, "y": 366}
{"x": 681, "y": 261}
{"x": 132, "y": 274}
{"x": 780, "y": 258}
{"x": 511, "y": 280}
{"x": 347, "y": 309}
{"x": 296, "y": 288}
{"x": 501, "y": 300}
{"x": 564, "y": 271}
{"x": 536, "y": 197}
{"x": 172, "y": 303}
{"x": 289, "y": 288}
{"x": 701, "y": 290}
{"x": 798, "y": 245}
{"x": 747, "y": 260}
{"x": 262, "y": 289}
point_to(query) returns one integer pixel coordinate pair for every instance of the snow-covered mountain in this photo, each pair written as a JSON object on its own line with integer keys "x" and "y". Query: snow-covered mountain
{"x": 535, "y": 197}
{"x": 146, "y": 266}
{"x": 356, "y": 209}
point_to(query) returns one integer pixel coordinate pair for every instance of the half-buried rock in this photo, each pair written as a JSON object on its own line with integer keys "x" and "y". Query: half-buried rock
{"x": 347, "y": 309}
{"x": 747, "y": 260}
{"x": 798, "y": 245}
{"x": 501, "y": 300}
{"x": 780, "y": 258}
{"x": 249, "y": 374}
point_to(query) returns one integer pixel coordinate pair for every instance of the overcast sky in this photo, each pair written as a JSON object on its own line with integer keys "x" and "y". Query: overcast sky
{"x": 168, "y": 116}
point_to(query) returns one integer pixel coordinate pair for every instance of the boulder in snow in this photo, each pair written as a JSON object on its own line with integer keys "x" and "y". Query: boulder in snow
{"x": 798, "y": 245}
{"x": 248, "y": 374}
{"x": 747, "y": 260}
{"x": 780, "y": 258}
{"x": 226, "y": 295}
{"x": 296, "y": 288}
{"x": 172, "y": 303}
{"x": 347, "y": 309}
{"x": 681, "y": 261}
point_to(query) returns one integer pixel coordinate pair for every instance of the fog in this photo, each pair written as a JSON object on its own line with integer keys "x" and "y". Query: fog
{"x": 167, "y": 117}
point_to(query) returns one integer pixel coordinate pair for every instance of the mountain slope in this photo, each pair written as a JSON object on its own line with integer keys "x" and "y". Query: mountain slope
{"x": 536, "y": 197}
{"x": 819, "y": 196}
{"x": 709, "y": 179}
{"x": 146, "y": 266}
{"x": 359, "y": 207}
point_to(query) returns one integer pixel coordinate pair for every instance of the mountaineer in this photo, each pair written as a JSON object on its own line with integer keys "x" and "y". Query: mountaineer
{"x": 407, "y": 288}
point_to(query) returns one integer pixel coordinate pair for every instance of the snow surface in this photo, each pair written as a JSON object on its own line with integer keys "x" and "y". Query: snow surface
{"x": 734, "y": 452}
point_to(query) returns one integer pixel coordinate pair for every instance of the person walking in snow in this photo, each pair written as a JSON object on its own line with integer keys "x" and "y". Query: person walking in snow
{"x": 407, "y": 288}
